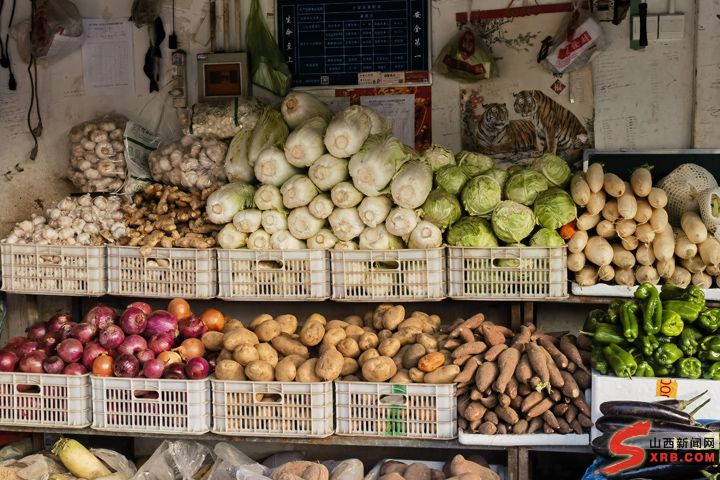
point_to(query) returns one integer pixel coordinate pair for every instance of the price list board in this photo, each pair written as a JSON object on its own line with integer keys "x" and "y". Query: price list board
{"x": 341, "y": 42}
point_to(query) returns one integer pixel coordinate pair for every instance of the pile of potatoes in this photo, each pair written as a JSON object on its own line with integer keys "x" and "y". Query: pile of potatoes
{"x": 384, "y": 345}
{"x": 457, "y": 469}
{"x": 304, "y": 470}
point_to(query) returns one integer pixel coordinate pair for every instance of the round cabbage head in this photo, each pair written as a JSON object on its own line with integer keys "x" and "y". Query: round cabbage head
{"x": 441, "y": 209}
{"x": 554, "y": 168}
{"x": 474, "y": 164}
{"x": 525, "y": 186}
{"x": 546, "y": 238}
{"x": 471, "y": 232}
{"x": 451, "y": 178}
{"x": 437, "y": 157}
{"x": 498, "y": 174}
{"x": 554, "y": 208}
{"x": 512, "y": 222}
{"x": 481, "y": 194}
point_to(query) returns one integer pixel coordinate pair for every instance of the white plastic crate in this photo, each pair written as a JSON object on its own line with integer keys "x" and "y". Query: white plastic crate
{"x": 270, "y": 409}
{"x": 175, "y": 272}
{"x": 54, "y": 269}
{"x": 507, "y": 273}
{"x": 414, "y": 410}
{"x": 151, "y": 405}
{"x": 392, "y": 275}
{"x": 43, "y": 400}
{"x": 273, "y": 275}
{"x": 374, "y": 474}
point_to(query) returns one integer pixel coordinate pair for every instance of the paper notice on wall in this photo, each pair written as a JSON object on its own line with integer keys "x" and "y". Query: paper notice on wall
{"x": 398, "y": 111}
{"x": 108, "y": 64}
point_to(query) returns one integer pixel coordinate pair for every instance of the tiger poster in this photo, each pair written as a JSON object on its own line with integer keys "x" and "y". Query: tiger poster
{"x": 527, "y": 111}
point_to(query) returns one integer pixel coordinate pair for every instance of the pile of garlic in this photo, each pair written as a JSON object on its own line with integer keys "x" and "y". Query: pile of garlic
{"x": 73, "y": 221}
{"x": 191, "y": 163}
{"x": 97, "y": 161}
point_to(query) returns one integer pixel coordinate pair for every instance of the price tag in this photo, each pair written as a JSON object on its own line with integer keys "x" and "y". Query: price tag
{"x": 666, "y": 388}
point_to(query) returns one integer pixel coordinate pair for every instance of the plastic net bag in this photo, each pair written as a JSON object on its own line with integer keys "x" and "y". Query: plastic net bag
{"x": 57, "y": 30}
{"x": 709, "y": 203}
{"x": 177, "y": 460}
{"x": 466, "y": 59}
{"x": 116, "y": 462}
{"x": 192, "y": 163}
{"x": 232, "y": 464}
{"x": 222, "y": 119}
{"x": 268, "y": 68}
{"x": 97, "y": 154}
{"x": 139, "y": 144}
{"x": 578, "y": 40}
{"x": 237, "y": 160}
{"x": 683, "y": 186}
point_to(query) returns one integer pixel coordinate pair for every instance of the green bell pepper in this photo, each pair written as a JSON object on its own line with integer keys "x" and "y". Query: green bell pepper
{"x": 689, "y": 367}
{"x": 709, "y": 319}
{"x": 663, "y": 339}
{"x": 636, "y": 354}
{"x": 671, "y": 292}
{"x": 688, "y": 311}
{"x": 672, "y": 324}
{"x": 594, "y": 318}
{"x": 629, "y": 321}
{"x": 605, "y": 334}
{"x": 708, "y": 356}
{"x": 660, "y": 369}
{"x": 712, "y": 372}
{"x": 644, "y": 370}
{"x": 710, "y": 349}
{"x": 667, "y": 354}
{"x": 598, "y": 360}
{"x": 614, "y": 308}
{"x": 689, "y": 339}
{"x": 622, "y": 363}
{"x": 651, "y": 307}
{"x": 647, "y": 343}
{"x": 694, "y": 294}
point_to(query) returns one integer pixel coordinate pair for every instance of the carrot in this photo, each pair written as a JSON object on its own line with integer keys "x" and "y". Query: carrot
{"x": 468, "y": 372}
{"x": 548, "y": 416}
{"x": 486, "y": 375}
{"x": 558, "y": 357}
{"x": 493, "y": 336}
{"x": 538, "y": 362}
{"x": 531, "y": 400}
{"x": 567, "y": 231}
{"x": 472, "y": 348}
{"x": 541, "y": 407}
{"x": 570, "y": 389}
{"x": 471, "y": 324}
{"x": 535, "y": 425}
{"x": 492, "y": 354}
{"x": 521, "y": 338}
{"x": 572, "y": 353}
{"x": 507, "y": 361}
{"x": 523, "y": 371}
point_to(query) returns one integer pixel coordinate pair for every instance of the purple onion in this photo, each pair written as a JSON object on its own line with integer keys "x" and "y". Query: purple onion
{"x": 144, "y": 355}
{"x": 70, "y": 350}
{"x": 175, "y": 371}
{"x": 57, "y": 321}
{"x": 37, "y": 331}
{"x": 84, "y": 332}
{"x": 8, "y": 360}
{"x": 101, "y": 316}
{"x": 133, "y": 321}
{"x": 27, "y": 347}
{"x": 90, "y": 353}
{"x": 212, "y": 360}
{"x": 153, "y": 368}
{"x": 74, "y": 369}
{"x": 161, "y": 321}
{"x": 197, "y": 368}
{"x": 64, "y": 332}
{"x": 49, "y": 343}
{"x": 146, "y": 309}
{"x": 32, "y": 362}
{"x": 111, "y": 337}
{"x": 160, "y": 342}
{"x": 192, "y": 327}
{"x": 126, "y": 366}
{"x": 53, "y": 365}
{"x": 132, "y": 345}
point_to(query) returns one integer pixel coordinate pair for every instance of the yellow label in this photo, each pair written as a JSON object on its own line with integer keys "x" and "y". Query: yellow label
{"x": 666, "y": 387}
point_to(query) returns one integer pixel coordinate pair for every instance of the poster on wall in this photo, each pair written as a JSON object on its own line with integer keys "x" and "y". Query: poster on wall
{"x": 527, "y": 111}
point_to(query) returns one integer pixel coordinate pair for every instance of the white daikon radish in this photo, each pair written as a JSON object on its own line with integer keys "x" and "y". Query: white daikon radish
{"x": 630, "y": 243}
{"x": 681, "y": 277}
{"x": 613, "y": 185}
{"x": 693, "y": 227}
{"x": 645, "y": 233}
{"x": 610, "y": 210}
{"x": 693, "y": 265}
{"x": 664, "y": 244}
{"x": 710, "y": 251}
{"x": 596, "y": 202}
{"x": 621, "y": 257}
{"x": 647, "y": 273}
{"x": 576, "y": 261}
{"x": 666, "y": 269}
{"x": 587, "y": 277}
{"x": 644, "y": 211}
{"x": 579, "y": 189}
{"x": 627, "y": 205}
{"x": 641, "y": 182}
{"x": 625, "y": 227}
{"x": 659, "y": 219}
{"x": 684, "y": 248}
{"x": 606, "y": 229}
{"x": 578, "y": 241}
{"x": 645, "y": 254}
{"x": 598, "y": 251}
{"x": 702, "y": 280}
{"x": 606, "y": 273}
{"x": 712, "y": 270}
{"x": 587, "y": 221}
{"x": 595, "y": 177}
{"x": 625, "y": 277}
{"x": 657, "y": 198}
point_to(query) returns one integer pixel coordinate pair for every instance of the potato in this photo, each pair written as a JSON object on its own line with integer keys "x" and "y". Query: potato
{"x": 231, "y": 324}
{"x": 312, "y": 333}
{"x": 379, "y": 369}
{"x": 416, "y": 375}
{"x": 413, "y": 355}
{"x": 350, "y": 366}
{"x": 296, "y": 468}
{"x": 238, "y": 337}
{"x": 444, "y": 374}
{"x": 460, "y": 466}
{"x": 350, "y": 378}
{"x": 287, "y": 345}
{"x": 428, "y": 341}
{"x": 436, "y": 320}
{"x": 306, "y": 372}
{"x": 287, "y": 476}
{"x": 367, "y": 355}
{"x": 288, "y": 323}
{"x": 257, "y": 321}
{"x": 245, "y": 354}
{"x": 267, "y": 330}
{"x": 230, "y": 370}
{"x": 398, "y": 361}
{"x": 334, "y": 336}
{"x": 378, "y": 315}
{"x": 285, "y": 370}
{"x": 367, "y": 341}
{"x": 401, "y": 377}
{"x": 316, "y": 472}
{"x": 267, "y": 353}
{"x": 407, "y": 335}
{"x": 225, "y": 355}
{"x": 317, "y": 318}
{"x": 297, "y": 360}
{"x": 329, "y": 365}
{"x": 355, "y": 320}
{"x": 324, "y": 347}
{"x": 213, "y": 341}
{"x": 349, "y": 348}
{"x": 431, "y": 362}
{"x": 354, "y": 332}
{"x": 336, "y": 324}
{"x": 393, "y": 466}
{"x": 260, "y": 371}
{"x": 393, "y": 316}
{"x": 368, "y": 318}
{"x": 370, "y": 329}
{"x": 389, "y": 347}
{"x": 416, "y": 322}
{"x": 392, "y": 476}
{"x": 436, "y": 474}
{"x": 417, "y": 471}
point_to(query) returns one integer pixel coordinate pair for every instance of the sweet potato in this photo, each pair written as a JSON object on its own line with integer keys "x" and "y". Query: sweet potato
{"x": 572, "y": 353}
{"x": 582, "y": 379}
{"x": 538, "y": 361}
{"x": 540, "y": 407}
{"x": 317, "y": 471}
{"x": 469, "y": 369}
{"x": 393, "y": 466}
{"x": 486, "y": 375}
{"x": 558, "y": 357}
{"x": 471, "y": 324}
{"x": 520, "y": 427}
{"x": 474, "y": 411}
{"x": 535, "y": 425}
{"x": 459, "y": 466}
{"x": 493, "y": 335}
{"x": 582, "y": 404}
{"x": 296, "y": 468}
{"x": 571, "y": 413}
{"x": 570, "y": 388}
{"x": 507, "y": 361}
{"x": 472, "y": 348}
{"x": 550, "y": 419}
{"x": 556, "y": 380}
{"x": 524, "y": 390}
{"x": 511, "y": 388}
{"x": 523, "y": 371}
{"x": 530, "y": 401}
{"x": 490, "y": 401}
{"x": 584, "y": 420}
{"x": 487, "y": 428}
{"x": 492, "y": 354}
{"x": 417, "y": 471}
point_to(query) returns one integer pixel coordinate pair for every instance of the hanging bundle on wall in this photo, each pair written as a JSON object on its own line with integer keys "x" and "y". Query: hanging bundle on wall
{"x": 465, "y": 58}
{"x": 268, "y": 67}
{"x": 4, "y": 53}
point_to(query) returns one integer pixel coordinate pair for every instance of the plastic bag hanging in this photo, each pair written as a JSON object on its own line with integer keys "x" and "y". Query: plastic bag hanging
{"x": 465, "y": 58}
{"x": 267, "y": 64}
{"x": 55, "y": 19}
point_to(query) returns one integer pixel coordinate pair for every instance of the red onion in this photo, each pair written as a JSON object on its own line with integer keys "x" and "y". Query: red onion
{"x": 53, "y": 364}
{"x": 64, "y": 331}
{"x": 197, "y": 368}
{"x": 111, "y": 337}
{"x": 161, "y": 321}
{"x": 126, "y": 366}
{"x": 161, "y": 342}
{"x": 32, "y": 362}
{"x": 146, "y": 309}
{"x": 153, "y": 368}
{"x": 15, "y": 342}
{"x": 114, "y": 353}
{"x": 37, "y": 331}
{"x": 74, "y": 369}
{"x": 57, "y": 321}
{"x": 8, "y": 360}
{"x": 26, "y": 348}
{"x": 144, "y": 355}
{"x": 48, "y": 343}
{"x": 175, "y": 371}
{"x": 84, "y": 332}
{"x": 132, "y": 344}
{"x": 133, "y": 321}
{"x": 101, "y": 316}
{"x": 212, "y": 361}
{"x": 91, "y": 352}
{"x": 70, "y": 350}
{"x": 192, "y": 327}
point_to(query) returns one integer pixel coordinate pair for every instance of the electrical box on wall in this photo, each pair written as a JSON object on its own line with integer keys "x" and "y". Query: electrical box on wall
{"x": 652, "y": 28}
{"x": 671, "y": 27}
{"x": 222, "y": 76}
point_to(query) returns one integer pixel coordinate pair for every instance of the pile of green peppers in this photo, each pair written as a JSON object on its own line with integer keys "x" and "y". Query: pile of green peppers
{"x": 670, "y": 333}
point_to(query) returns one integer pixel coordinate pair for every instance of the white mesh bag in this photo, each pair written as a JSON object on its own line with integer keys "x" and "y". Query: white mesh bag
{"x": 709, "y": 202}
{"x": 683, "y": 186}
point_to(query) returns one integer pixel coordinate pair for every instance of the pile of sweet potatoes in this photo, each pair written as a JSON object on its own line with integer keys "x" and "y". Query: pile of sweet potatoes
{"x": 457, "y": 469}
{"x": 518, "y": 382}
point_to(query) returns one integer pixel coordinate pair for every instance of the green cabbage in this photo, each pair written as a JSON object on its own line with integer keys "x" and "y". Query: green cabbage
{"x": 514, "y": 169}
{"x": 451, "y": 178}
{"x": 554, "y": 168}
{"x": 546, "y": 238}
{"x": 554, "y": 208}
{"x": 512, "y": 222}
{"x": 525, "y": 186}
{"x": 474, "y": 164}
{"x": 471, "y": 232}
{"x": 441, "y": 209}
{"x": 437, "y": 157}
{"x": 481, "y": 194}
{"x": 498, "y": 174}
